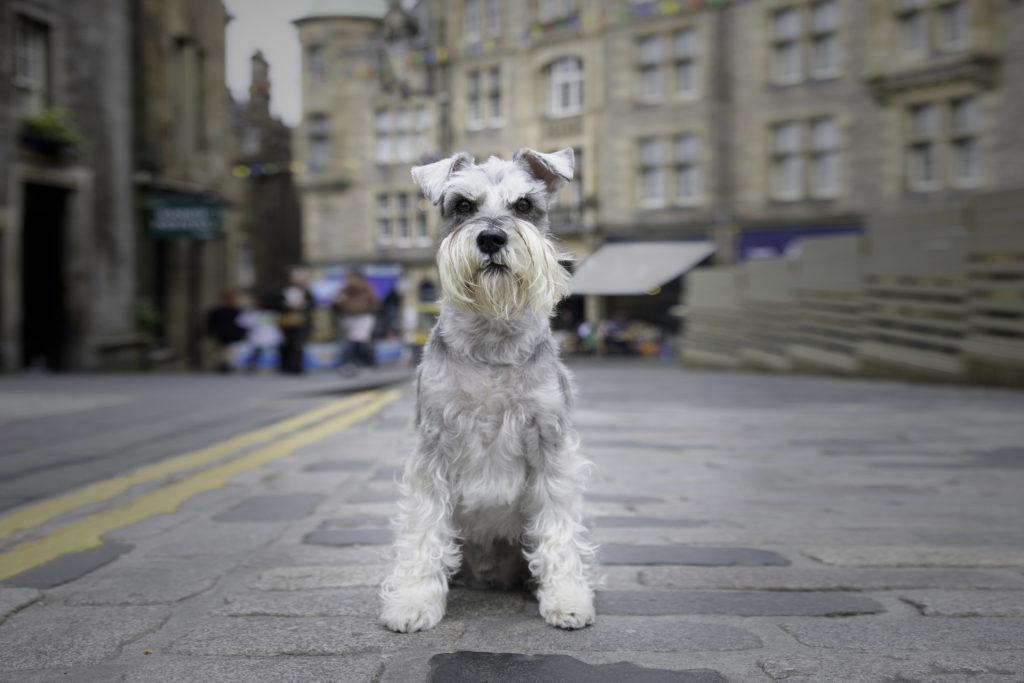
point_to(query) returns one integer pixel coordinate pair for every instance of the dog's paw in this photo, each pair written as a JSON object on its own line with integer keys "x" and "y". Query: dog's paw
{"x": 568, "y": 609}
{"x": 412, "y": 615}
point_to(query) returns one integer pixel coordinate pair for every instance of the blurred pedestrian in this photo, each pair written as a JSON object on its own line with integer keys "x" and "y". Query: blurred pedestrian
{"x": 356, "y": 308}
{"x": 262, "y": 334}
{"x": 222, "y": 325}
{"x": 295, "y": 321}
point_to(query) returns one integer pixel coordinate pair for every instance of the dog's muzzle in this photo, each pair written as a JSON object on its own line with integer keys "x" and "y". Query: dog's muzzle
{"x": 491, "y": 240}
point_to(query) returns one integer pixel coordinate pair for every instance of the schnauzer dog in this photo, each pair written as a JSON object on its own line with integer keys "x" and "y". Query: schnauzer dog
{"x": 494, "y": 490}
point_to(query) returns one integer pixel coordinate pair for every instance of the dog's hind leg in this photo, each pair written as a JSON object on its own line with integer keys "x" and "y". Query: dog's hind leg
{"x": 426, "y": 553}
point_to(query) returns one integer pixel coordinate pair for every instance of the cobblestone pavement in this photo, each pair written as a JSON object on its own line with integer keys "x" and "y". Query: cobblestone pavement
{"x": 753, "y": 528}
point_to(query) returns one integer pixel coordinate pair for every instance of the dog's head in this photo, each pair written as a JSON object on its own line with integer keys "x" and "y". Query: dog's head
{"x": 496, "y": 257}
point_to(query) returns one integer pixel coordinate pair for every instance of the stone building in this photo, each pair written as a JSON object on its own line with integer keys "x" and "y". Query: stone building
{"x": 67, "y": 231}
{"x": 270, "y": 227}
{"x": 744, "y": 125}
{"x": 190, "y": 245}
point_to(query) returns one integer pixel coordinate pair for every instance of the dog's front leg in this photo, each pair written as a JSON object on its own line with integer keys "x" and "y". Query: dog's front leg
{"x": 560, "y": 557}
{"x": 425, "y": 552}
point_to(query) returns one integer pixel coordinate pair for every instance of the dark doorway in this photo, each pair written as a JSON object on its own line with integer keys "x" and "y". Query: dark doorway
{"x": 43, "y": 302}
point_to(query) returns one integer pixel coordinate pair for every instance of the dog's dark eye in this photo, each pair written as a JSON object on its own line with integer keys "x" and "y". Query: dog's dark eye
{"x": 463, "y": 206}
{"x": 524, "y": 205}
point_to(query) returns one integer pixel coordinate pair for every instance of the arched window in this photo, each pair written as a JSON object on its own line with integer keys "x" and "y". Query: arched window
{"x": 565, "y": 94}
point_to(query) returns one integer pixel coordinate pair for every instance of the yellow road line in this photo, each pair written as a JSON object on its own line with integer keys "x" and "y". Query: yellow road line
{"x": 87, "y": 533}
{"x": 46, "y": 510}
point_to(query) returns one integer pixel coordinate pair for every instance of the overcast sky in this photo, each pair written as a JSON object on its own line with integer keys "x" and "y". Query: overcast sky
{"x": 266, "y": 25}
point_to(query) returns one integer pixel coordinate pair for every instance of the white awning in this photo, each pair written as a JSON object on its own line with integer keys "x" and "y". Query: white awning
{"x": 636, "y": 267}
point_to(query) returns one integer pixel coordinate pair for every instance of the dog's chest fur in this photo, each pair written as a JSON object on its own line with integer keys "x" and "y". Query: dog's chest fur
{"x": 492, "y": 393}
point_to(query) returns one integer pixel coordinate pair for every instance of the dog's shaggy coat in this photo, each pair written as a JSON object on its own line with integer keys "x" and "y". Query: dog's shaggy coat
{"x": 495, "y": 485}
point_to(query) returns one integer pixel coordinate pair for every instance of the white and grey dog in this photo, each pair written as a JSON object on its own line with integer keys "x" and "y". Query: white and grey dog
{"x": 494, "y": 490}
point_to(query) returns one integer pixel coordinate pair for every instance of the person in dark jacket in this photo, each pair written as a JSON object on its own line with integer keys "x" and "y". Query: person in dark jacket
{"x": 222, "y": 325}
{"x": 296, "y": 321}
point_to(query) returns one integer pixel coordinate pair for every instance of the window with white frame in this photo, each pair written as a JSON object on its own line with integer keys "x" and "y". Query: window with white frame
{"x": 685, "y": 48}
{"x": 954, "y": 25}
{"x": 943, "y": 144}
{"x": 493, "y": 18}
{"x": 787, "y": 161}
{"x": 316, "y": 64}
{"x": 649, "y": 60}
{"x": 422, "y": 145}
{"x": 474, "y": 105}
{"x": 402, "y": 220}
{"x": 787, "y": 62}
{"x": 383, "y": 220}
{"x": 687, "y": 158}
{"x": 824, "y": 157}
{"x": 422, "y": 232}
{"x": 824, "y": 39}
{"x": 382, "y": 128}
{"x": 805, "y": 42}
{"x": 652, "y": 171}
{"x": 319, "y": 142}
{"x": 494, "y": 111}
{"x": 932, "y": 26}
{"x": 471, "y": 20}
{"x": 565, "y": 92}
{"x": 31, "y": 66}
{"x": 568, "y": 210}
{"x": 922, "y": 156}
{"x": 404, "y": 134}
{"x": 553, "y": 10}
{"x": 964, "y": 141}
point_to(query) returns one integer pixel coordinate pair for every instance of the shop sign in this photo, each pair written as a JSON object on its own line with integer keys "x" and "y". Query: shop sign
{"x": 171, "y": 219}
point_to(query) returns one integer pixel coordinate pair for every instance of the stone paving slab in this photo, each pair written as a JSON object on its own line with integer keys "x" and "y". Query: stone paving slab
{"x": 740, "y": 603}
{"x": 639, "y": 522}
{"x": 530, "y": 633}
{"x": 930, "y": 635}
{"x": 272, "y": 508}
{"x": 803, "y": 578}
{"x": 13, "y": 599}
{"x": 967, "y": 603}
{"x": 68, "y": 567}
{"x": 307, "y": 578}
{"x": 903, "y": 556}
{"x": 177, "y": 669}
{"x": 314, "y": 636}
{"x": 53, "y": 637}
{"x": 687, "y": 555}
{"x": 147, "y": 581}
{"x": 990, "y": 667}
{"x": 346, "y": 537}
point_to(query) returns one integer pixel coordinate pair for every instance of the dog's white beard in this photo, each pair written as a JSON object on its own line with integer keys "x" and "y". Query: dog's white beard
{"x": 532, "y": 277}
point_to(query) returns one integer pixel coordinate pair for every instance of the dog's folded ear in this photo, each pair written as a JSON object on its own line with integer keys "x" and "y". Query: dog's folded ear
{"x": 554, "y": 170}
{"x": 432, "y": 177}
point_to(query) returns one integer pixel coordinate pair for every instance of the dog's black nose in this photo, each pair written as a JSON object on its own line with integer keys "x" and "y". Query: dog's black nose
{"x": 491, "y": 240}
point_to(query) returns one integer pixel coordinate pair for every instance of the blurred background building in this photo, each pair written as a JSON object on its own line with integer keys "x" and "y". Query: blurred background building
{"x": 121, "y": 221}
{"x": 745, "y": 126}
{"x": 731, "y": 137}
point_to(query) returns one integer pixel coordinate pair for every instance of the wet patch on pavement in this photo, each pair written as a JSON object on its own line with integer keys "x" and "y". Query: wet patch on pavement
{"x": 482, "y": 667}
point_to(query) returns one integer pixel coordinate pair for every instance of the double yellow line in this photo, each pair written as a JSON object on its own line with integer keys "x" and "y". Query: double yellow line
{"x": 87, "y": 532}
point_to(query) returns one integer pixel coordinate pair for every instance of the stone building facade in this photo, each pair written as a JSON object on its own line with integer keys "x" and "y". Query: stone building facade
{"x": 190, "y": 243}
{"x": 749, "y": 123}
{"x": 270, "y": 229}
{"x": 67, "y": 232}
